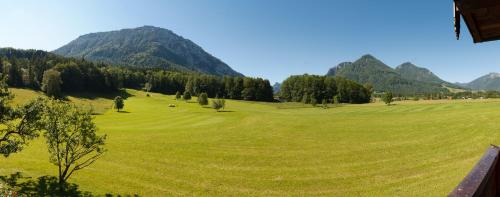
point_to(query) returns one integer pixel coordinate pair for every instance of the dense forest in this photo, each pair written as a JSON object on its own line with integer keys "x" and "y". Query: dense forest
{"x": 45, "y": 71}
{"x": 314, "y": 88}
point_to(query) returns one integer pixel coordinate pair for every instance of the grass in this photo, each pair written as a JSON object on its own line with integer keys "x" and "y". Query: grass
{"x": 412, "y": 148}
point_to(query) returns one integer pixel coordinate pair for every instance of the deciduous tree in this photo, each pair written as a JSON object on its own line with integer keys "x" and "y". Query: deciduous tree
{"x": 51, "y": 83}
{"x": 71, "y": 138}
{"x": 387, "y": 98}
{"x": 119, "y": 103}
{"x": 187, "y": 96}
{"x": 203, "y": 99}
{"x": 17, "y": 125}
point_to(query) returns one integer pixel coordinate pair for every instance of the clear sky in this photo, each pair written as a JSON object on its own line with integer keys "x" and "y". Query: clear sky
{"x": 270, "y": 38}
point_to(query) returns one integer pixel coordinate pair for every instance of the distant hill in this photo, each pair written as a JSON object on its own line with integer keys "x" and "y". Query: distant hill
{"x": 276, "y": 87}
{"x": 410, "y": 71}
{"x": 490, "y": 81}
{"x": 406, "y": 79}
{"x": 146, "y": 46}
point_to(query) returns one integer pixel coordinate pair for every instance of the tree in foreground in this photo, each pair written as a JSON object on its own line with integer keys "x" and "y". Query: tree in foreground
{"x": 119, "y": 103}
{"x": 218, "y": 104}
{"x": 17, "y": 125}
{"x": 51, "y": 83}
{"x": 187, "y": 96}
{"x": 178, "y": 95}
{"x": 387, "y": 98}
{"x": 71, "y": 138}
{"x": 203, "y": 99}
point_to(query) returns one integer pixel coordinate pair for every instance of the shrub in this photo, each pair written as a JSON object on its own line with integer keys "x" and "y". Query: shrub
{"x": 218, "y": 104}
{"x": 203, "y": 99}
{"x": 187, "y": 96}
{"x": 178, "y": 95}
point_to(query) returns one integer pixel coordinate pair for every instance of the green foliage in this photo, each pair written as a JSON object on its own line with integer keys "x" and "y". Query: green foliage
{"x": 186, "y": 96}
{"x": 147, "y": 87}
{"x": 14, "y": 73}
{"x": 178, "y": 95}
{"x": 324, "y": 104}
{"x": 303, "y": 88}
{"x": 71, "y": 138}
{"x": 119, "y": 103}
{"x": 336, "y": 99}
{"x": 203, "y": 99}
{"x": 17, "y": 125}
{"x": 78, "y": 75}
{"x": 387, "y": 98}
{"x": 51, "y": 83}
{"x": 314, "y": 101}
{"x": 218, "y": 104}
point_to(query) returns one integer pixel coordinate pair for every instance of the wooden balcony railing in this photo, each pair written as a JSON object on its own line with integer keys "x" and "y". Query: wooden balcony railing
{"x": 483, "y": 179}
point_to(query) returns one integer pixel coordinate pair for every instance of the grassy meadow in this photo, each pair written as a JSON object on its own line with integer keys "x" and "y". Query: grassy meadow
{"x": 412, "y": 148}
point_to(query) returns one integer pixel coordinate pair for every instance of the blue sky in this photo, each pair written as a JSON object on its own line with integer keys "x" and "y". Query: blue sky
{"x": 270, "y": 38}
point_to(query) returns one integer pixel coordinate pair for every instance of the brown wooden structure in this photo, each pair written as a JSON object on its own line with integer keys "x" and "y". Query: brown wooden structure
{"x": 482, "y": 18}
{"x": 483, "y": 179}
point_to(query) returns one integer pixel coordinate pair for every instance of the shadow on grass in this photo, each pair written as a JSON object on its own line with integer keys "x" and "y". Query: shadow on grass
{"x": 225, "y": 111}
{"x": 42, "y": 186}
{"x": 124, "y": 112}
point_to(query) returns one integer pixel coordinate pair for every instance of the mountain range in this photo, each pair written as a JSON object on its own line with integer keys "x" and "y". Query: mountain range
{"x": 406, "y": 78}
{"x": 490, "y": 81}
{"x": 145, "y": 46}
{"x": 154, "y": 47}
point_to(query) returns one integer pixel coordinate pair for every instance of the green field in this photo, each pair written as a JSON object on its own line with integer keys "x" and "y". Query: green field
{"x": 419, "y": 148}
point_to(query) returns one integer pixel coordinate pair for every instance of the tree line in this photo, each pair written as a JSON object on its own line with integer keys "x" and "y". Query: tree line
{"x": 56, "y": 75}
{"x": 314, "y": 89}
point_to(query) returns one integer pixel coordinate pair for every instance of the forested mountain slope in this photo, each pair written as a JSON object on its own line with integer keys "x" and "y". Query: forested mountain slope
{"x": 145, "y": 46}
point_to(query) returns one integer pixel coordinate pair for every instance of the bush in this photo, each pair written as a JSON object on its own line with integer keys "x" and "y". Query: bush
{"x": 187, "y": 96}
{"x": 203, "y": 99}
{"x": 178, "y": 95}
{"x": 387, "y": 98}
{"x": 218, "y": 104}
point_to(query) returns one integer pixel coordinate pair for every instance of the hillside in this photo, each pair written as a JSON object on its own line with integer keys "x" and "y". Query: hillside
{"x": 404, "y": 80}
{"x": 410, "y": 71}
{"x": 490, "y": 81}
{"x": 145, "y": 46}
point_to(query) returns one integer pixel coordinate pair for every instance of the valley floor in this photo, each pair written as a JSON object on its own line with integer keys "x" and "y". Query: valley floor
{"x": 412, "y": 148}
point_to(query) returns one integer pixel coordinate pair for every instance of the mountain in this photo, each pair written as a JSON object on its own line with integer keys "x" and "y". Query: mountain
{"x": 490, "y": 81}
{"x": 406, "y": 79}
{"x": 410, "y": 71}
{"x": 276, "y": 87}
{"x": 145, "y": 46}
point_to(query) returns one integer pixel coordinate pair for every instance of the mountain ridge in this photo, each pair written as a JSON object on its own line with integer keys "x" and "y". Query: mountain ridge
{"x": 490, "y": 81}
{"x": 406, "y": 78}
{"x": 145, "y": 46}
